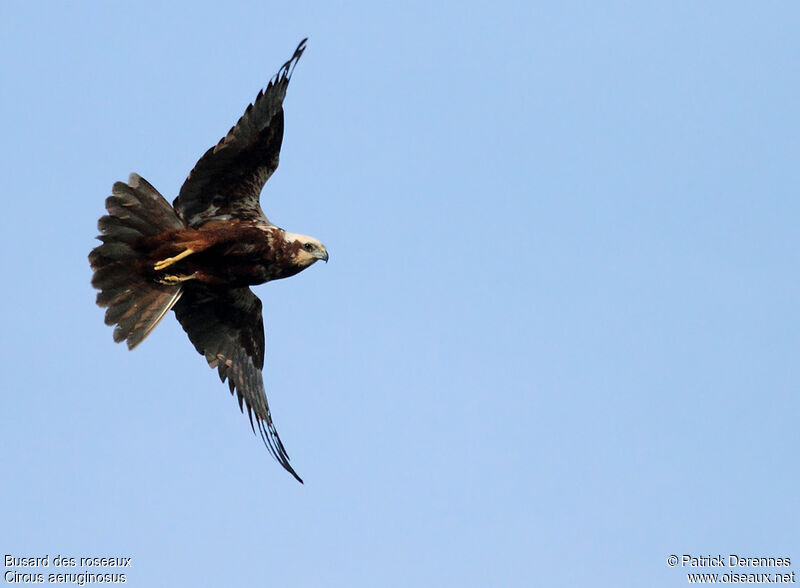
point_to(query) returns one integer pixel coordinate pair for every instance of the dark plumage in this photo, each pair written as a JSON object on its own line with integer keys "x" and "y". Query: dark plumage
{"x": 199, "y": 256}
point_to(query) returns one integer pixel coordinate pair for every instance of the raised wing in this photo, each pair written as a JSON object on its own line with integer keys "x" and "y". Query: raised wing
{"x": 225, "y": 326}
{"x": 227, "y": 180}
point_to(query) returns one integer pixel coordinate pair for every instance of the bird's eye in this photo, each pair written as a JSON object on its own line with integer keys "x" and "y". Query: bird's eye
{"x": 308, "y": 246}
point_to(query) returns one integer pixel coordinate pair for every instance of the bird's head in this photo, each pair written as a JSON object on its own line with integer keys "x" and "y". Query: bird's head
{"x": 305, "y": 250}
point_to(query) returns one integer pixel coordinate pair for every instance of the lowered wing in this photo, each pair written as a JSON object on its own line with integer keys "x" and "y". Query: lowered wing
{"x": 225, "y": 326}
{"x": 227, "y": 180}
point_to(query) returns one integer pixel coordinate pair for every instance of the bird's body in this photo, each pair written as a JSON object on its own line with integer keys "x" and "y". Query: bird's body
{"x": 232, "y": 253}
{"x": 199, "y": 256}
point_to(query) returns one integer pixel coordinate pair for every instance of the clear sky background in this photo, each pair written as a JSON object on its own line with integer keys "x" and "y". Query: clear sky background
{"x": 557, "y": 340}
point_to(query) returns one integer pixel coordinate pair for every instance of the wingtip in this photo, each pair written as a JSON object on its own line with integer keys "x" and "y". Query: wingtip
{"x": 294, "y": 473}
{"x": 288, "y": 67}
{"x": 275, "y": 446}
{"x": 290, "y": 469}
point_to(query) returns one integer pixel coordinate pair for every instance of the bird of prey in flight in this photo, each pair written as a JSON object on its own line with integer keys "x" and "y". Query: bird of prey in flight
{"x": 200, "y": 256}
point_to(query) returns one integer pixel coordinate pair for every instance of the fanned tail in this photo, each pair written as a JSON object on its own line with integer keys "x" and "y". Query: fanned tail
{"x": 134, "y": 302}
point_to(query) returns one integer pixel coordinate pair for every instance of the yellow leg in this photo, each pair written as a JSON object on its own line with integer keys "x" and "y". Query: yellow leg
{"x": 171, "y": 280}
{"x": 170, "y": 260}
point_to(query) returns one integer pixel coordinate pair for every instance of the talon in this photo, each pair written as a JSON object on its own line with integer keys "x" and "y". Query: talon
{"x": 170, "y": 260}
{"x": 172, "y": 279}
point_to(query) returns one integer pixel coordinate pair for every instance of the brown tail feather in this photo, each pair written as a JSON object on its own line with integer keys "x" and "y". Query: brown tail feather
{"x": 134, "y": 302}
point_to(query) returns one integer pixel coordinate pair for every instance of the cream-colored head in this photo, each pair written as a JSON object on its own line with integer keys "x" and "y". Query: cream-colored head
{"x": 305, "y": 250}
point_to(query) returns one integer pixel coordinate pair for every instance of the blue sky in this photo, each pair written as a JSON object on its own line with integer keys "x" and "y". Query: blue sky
{"x": 557, "y": 338}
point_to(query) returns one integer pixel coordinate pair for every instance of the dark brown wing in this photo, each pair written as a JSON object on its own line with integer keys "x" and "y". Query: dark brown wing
{"x": 227, "y": 181}
{"x": 225, "y": 326}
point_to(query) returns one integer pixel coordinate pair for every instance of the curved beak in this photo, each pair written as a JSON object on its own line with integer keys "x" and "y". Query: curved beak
{"x": 323, "y": 255}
